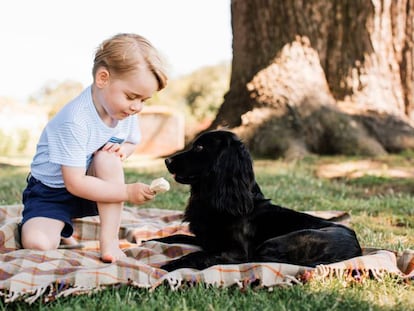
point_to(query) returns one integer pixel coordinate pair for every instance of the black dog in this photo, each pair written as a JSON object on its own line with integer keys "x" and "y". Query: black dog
{"x": 234, "y": 223}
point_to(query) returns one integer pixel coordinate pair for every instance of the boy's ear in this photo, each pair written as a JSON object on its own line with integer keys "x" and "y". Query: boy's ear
{"x": 101, "y": 77}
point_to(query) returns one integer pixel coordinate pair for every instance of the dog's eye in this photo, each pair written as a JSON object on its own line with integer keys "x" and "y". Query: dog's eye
{"x": 198, "y": 148}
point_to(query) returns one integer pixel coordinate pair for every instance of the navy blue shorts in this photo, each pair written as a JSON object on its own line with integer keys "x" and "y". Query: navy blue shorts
{"x": 40, "y": 200}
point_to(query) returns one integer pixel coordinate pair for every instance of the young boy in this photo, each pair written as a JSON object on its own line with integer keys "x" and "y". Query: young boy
{"x": 77, "y": 169}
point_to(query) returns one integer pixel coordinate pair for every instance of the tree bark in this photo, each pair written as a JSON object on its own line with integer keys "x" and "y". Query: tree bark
{"x": 321, "y": 76}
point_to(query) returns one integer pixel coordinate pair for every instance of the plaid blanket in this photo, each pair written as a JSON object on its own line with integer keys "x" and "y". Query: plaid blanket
{"x": 29, "y": 275}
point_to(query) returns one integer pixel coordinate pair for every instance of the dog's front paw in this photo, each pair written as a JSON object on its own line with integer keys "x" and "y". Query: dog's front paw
{"x": 199, "y": 260}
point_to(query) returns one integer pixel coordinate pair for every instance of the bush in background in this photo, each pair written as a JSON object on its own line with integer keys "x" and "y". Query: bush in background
{"x": 198, "y": 95}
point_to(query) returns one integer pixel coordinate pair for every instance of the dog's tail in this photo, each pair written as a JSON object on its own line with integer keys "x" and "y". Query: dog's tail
{"x": 333, "y": 216}
{"x": 341, "y": 218}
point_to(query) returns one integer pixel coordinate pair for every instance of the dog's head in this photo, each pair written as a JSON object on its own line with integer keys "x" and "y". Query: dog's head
{"x": 219, "y": 165}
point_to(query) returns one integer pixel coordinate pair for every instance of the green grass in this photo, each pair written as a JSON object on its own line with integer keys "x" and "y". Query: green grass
{"x": 382, "y": 212}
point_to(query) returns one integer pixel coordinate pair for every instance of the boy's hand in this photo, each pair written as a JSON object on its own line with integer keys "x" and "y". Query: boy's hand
{"x": 115, "y": 148}
{"x": 139, "y": 193}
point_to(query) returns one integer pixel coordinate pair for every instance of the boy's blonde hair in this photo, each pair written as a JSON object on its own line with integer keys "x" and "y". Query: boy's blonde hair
{"x": 123, "y": 53}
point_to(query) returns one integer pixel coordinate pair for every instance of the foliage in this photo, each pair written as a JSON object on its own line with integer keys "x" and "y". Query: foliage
{"x": 16, "y": 143}
{"x": 382, "y": 215}
{"x": 198, "y": 95}
{"x": 56, "y": 96}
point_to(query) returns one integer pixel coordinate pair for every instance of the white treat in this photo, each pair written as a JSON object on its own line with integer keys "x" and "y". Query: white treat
{"x": 160, "y": 185}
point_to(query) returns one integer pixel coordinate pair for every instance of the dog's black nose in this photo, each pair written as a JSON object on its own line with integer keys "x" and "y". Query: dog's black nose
{"x": 168, "y": 161}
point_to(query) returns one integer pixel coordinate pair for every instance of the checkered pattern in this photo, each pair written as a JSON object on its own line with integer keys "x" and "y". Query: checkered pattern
{"x": 29, "y": 275}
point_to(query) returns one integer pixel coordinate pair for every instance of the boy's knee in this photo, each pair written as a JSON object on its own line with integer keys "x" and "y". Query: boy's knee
{"x": 107, "y": 165}
{"x": 104, "y": 158}
{"x": 40, "y": 233}
{"x": 39, "y": 242}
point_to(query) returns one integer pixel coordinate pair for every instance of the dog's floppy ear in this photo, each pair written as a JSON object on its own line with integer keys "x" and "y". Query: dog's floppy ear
{"x": 234, "y": 179}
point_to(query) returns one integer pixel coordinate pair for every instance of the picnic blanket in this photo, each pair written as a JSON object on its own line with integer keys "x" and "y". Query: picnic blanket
{"x": 28, "y": 275}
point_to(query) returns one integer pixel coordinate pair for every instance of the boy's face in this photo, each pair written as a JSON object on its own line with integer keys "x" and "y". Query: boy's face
{"x": 118, "y": 98}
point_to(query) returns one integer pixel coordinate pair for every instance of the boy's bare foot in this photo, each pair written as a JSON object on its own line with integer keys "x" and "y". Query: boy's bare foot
{"x": 110, "y": 252}
{"x": 69, "y": 241}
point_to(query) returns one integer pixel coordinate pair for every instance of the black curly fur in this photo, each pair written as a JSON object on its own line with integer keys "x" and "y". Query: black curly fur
{"x": 234, "y": 223}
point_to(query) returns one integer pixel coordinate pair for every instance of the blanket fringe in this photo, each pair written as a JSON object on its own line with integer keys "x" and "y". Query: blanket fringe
{"x": 10, "y": 296}
{"x": 38, "y": 293}
{"x": 174, "y": 282}
{"x": 177, "y": 279}
{"x": 28, "y": 296}
{"x": 76, "y": 290}
{"x": 47, "y": 293}
{"x": 324, "y": 272}
{"x": 292, "y": 280}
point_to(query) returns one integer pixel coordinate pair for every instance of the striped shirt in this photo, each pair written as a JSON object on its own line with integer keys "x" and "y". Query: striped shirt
{"x": 72, "y": 136}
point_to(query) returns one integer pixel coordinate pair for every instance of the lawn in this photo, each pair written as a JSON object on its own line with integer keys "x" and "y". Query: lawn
{"x": 382, "y": 209}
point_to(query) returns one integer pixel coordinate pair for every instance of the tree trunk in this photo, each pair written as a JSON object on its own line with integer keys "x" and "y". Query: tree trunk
{"x": 321, "y": 76}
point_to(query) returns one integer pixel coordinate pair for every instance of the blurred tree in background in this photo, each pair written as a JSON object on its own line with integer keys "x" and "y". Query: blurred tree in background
{"x": 55, "y": 95}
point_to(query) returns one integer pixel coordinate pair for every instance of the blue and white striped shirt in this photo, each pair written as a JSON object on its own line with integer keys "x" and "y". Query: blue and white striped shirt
{"x": 72, "y": 136}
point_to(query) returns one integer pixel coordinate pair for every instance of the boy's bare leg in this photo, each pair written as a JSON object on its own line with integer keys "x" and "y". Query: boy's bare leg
{"x": 110, "y": 217}
{"x": 41, "y": 233}
{"x": 108, "y": 166}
